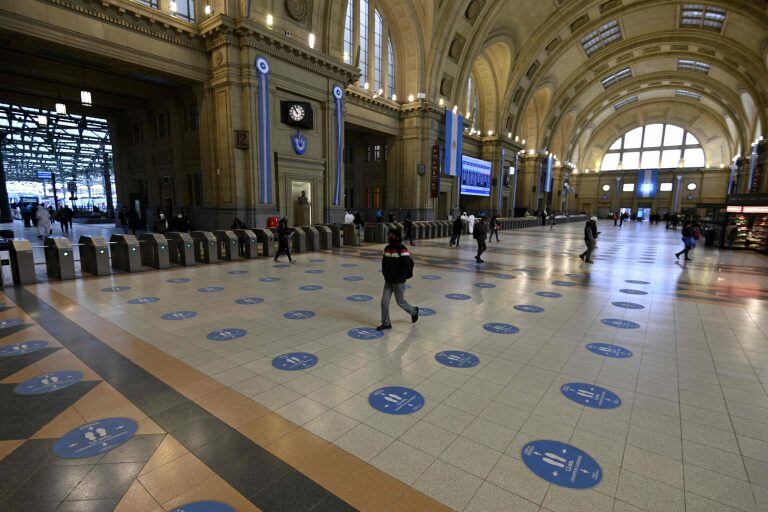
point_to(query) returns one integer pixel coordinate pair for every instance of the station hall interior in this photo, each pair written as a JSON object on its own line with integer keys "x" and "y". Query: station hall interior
{"x": 201, "y": 201}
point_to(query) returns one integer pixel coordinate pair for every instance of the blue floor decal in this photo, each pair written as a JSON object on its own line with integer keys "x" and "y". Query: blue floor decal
{"x": 301, "y": 314}
{"x": 116, "y": 289}
{"x": 143, "y": 300}
{"x": 628, "y": 305}
{"x": 562, "y": 464}
{"x": 48, "y": 383}
{"x": 204, "y": 506}
{"x": 210, "y": 289}
{"x": 457, "y": 296}
{"x": 396, "y": 400}
{"x": 633, "y": 292}
{"x": 619, "y": 323}
{"x": 457, "y": 359}
{"x": 609, "y": 350}
{"x": 249, "y": 300}
{"x": 359, "y": 298}
{"x": 365, "y": 333}
{"x": 23, "y": 347}
{"x": 294, "y": 361}
{"x": 427, "y": 312}
{"x": 549, "y": 295}
{"x": 501, "y": 328}
{"x": 178, "y": 315}
{"x": 226, "y": 334}
{"x": 310, "y": 287}
{"x": 590, "y": 395}
{"x": 95, "y": 438}
{"x": 529, "y": 308}
{"x": 178, "y": 280}
{"x": 484, "y": 285}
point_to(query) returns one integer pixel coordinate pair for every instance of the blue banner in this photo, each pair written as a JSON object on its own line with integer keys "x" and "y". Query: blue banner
{"x": 265, "y": 146}
{"x": 647, "y": 182}
{"x": 732, "y": 177}
{"x": 548, "y": 177}
{"x": 454, "y": 133}
{"x": 500, "y": 181}
{"x": 338, "y": 96}
{"x": 752, "y": 169}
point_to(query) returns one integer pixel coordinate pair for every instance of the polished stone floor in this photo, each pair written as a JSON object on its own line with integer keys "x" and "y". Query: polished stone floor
{"x": 192, "y": 356}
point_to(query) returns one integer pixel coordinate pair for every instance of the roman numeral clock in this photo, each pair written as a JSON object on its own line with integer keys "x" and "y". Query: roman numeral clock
{"x": 299, "y": 115}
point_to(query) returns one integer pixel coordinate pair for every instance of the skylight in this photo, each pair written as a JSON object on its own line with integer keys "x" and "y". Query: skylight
{"x": 692, "y": 65}
{"x": 624, "y": 103}
{"x": 688, "y": 94}
{"x": 702, "y": 16}
{"x": 616, "y": 77}
{"x": 602, "y": 37}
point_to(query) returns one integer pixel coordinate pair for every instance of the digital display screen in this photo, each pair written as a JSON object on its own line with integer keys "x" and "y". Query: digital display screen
{"x": 475, "y": 176}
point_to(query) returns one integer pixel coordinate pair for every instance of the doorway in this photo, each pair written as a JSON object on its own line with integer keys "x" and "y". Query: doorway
{"x": 302, "y": 205}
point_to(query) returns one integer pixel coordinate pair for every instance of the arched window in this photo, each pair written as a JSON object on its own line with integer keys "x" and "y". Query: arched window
{"x": 472, "y": 102}
{"x": 365, "y": 24}
{"x": 654, "y": 146}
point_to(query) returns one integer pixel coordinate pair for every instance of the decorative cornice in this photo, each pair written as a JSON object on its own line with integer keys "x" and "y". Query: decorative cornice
{"x": 365, "y": 100}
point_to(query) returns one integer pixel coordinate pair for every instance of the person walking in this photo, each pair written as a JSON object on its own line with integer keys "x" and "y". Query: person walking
{"x": 471, "y": 223}
{"x": 688, "y": 241}
{"x": 283, "y": 239}
{"x": 731, "y": 236}
{"x": 379, "y": 216}
{"x": 590, "y": 239}
{"x": 161, "y": 223}
{"x": 480, "y": 233}
{"x": 456, "y": 229}
{"x": 551, "y": 221}
{"x": 408, "y": 227}
{"x": 397, "y": 268}
{"x": 43, "y": 217}
{"x": 495, "y": 227}
{"x": 348, "y": 217}
{"x": 134, "y": 221}
{"x": 358, "y": 223}
{"x": 122, "y": 216}
{"x": 65, "y": 218}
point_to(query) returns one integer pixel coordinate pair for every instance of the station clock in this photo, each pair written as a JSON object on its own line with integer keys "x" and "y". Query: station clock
{"x": 296, "y": 113}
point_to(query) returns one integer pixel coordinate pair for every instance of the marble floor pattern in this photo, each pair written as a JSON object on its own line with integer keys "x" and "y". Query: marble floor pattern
{"x": 690, "y": 435}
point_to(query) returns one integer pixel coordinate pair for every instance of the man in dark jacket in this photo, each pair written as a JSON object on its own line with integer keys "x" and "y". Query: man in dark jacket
{"x": 590, "y": 239}
{"x": 397, "y": 267}
{"x": 456, "y": 229}
{"x": 480, "y": 232}
{"x": 283, "y": 240}
{"x": 408, "y": 227}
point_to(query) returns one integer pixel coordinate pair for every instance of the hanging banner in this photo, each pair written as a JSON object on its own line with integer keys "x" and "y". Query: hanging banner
{"x": 500, "y": 182}
{"x": 454, "y": 133}
{"x": 646, "y": 183}
{"x": 514, "y": 188}
{"x": 548, "y": 177}
{"x": 434, "y": 183}
{"x": 732, "y": 177}
{"x": 338, "y": 97}
{"x": 265, "y": 146}
{"x": 752, "y": 186}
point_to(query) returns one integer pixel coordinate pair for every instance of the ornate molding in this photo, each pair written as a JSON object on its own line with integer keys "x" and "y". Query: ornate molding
{"x": 383, "y": 106}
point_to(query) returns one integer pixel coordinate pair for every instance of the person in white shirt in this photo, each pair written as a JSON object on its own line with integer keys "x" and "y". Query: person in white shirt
{"x": 349, "y": 218}
{"x": 471, "y": 223}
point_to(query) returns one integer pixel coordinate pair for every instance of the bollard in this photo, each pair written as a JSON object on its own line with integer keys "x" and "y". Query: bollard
{"x": 249, "y": 243}
{"x": 228, "y": 245}
{"x": 22, "y": 262}
{"x": 94, "y": 255}
{"x": 59, "y": 260}
{"x": 205, "y": 247}
{"x": 181, "y": 249}
{"x": 267, "y": 241}
{"x": 154, "y": 251}
{"x": 125, "y": 253}
{"x": 298, "y": 241}
{"x": 350, "y": 235}
{"x": 312, "y": 236}
{"x": 324, "y": 232}
{"x": 336, "y": 240}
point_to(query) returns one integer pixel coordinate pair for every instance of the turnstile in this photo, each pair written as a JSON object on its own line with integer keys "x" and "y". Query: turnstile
{"x": 325, "y": 235}
{"x": 181, "y": 249}
{"x": 313, "y": 237}
{"x": 298, "y": 241}
{"x": 205, "y": 247}
{"x": 125, "y": 253}
{"x": 267, "y": 241}
{"x": 336, "y": 239}
{"x": 249, "y": 243}
{"x": 22, "y": 262}
{"x": 59, "y": 260}
{"x": 350, "y": 235}
{"x": 94, "y": 255}
{"x": 154, "y": 251}
{"x": 229, "y": 245}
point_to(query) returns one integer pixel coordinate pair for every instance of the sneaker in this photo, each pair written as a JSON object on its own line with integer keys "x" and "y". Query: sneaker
{"x": 415, "y": 316}
{"x": 581, "y": 256}
{"x": 588, "y": 261}
{"x": 383, "y": 327}
{"x": 688, "y": 259}
{"x": 677, "y": 255}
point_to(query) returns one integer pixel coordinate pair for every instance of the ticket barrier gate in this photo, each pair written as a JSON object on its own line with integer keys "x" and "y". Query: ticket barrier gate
{"x": 228, "y": 244}
{"x": 94, "y": 255}
{"x": 298, "y": 241}
{"x": 125, "y": 253}
{"x": 22, "y": 262}
{"x": 375, "y": 232}
{"x": 59, "y": 260}
{"x": 206, "y": 247}
{"x": 326, "y": 237}
{"x": 350, "y": 235}
{"x": 336, "y": 239}
{"x": 312, "y": 236}
{"x": 267, "y": 241}
{"x": 181, "y": 249}
{"x": 249, "y": 243}
{"x": 154, "y": 251}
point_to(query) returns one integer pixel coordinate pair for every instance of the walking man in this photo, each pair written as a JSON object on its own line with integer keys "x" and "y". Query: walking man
{"x": 590, "y": 238}
{"x": 396, "y": 267}
{"x": 457, "y": 228}
{"x": 283, "y": 239}
{"x": 479, "y": 234}
{"x": 408, "y": 227}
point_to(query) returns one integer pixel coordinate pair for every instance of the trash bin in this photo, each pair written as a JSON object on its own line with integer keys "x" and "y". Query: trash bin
{"x": 154, "y": 251}
{"x": 181, "y": 249}
{"x": 94, "y": 255}
{"x": 272, "y": 222}
{"x": 229, "y": 245}
{"x": 22, "y": 262}
{"x": 125, "y": 253}
{"x": 205, "y": 246}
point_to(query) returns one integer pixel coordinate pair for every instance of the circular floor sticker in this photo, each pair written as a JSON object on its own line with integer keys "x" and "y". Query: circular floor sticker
{"x": 116, "y": 289}
{"x": 281, "y": 265}
{"x": 620, "y": 324}
{"x": 549, "y": 295}
{"x": 628, "y": 305}
{"x": 248, "y": 301}
{"x": 501, "y": 328}
{"x": 359, "y": 298}
{"x": 609, "y": 350}
{"x": 457, "y": 296}
{"x": 226, "y": 334}
{"x": 204, "y": 506}
{"x": 427, "y": 312}
{"x": 365, "y": 333}
{"x": 484, "y": 285}
{"x": 577, "y": 276}
{"x": 178, "y": 280}
{"x": 301, "y": 314}
{"x": 11, "y": 322}
{"x": 237, "y": 272}
{"x": 95, "y": 438}
{"x": 503, "y": 276}
{"x": 590, "y": 395}
{"x": 439, "y": 262}
{"x": 431, "y": 277}
{"x": 561, "y": 464}
{"x": 633, "y": 292}
{"x": 143, "y": 300}
{"x": 24, "y": 347}
{"x": 349, "y": 265}
{"x": 269, "y": 279}
{"x": 178, "y": 315}
{"x": 317, "y": 260}
{"x": 314, "y": 271}
{"x": 635, "y": 281}
{"x": 396, "y": 400}
{"x": 310, "y": 287}
{"x": 563, "y": 283}
{"x": 294, "y": 361}
{"x": 529, "y": 308}
{"x": 48, "y": 382}
{"x": 210, "y": 289}
{"x": 353, "y": 278}
{"x": 457, "y": 359}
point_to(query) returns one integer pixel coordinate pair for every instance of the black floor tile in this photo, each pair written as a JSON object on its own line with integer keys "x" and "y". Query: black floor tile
{"x": 198, "y": 433}
{"x": 29, "y": 506}
{"x": 292, "y": 493}
{"x": 138, "y": 449}
{"x": 50, "y": 483}
{"x": 22, "y": 463}
{"x": 333, "y": 504}
{"x": 180, "y": 415}
{"x": 106, "y": 505}
{"x": 13, "y": 330}
{"x": 106, "y": 481}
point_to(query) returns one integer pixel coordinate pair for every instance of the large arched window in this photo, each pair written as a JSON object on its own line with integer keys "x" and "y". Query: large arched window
{"x": 373, "y": 53}
{"x": 654, "y": 146}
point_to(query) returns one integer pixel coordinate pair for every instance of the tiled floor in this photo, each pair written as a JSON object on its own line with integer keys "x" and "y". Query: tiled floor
{"x": 691, "y": 433}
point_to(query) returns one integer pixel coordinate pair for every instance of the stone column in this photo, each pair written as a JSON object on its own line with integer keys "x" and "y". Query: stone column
{"x": 5, "y": 208}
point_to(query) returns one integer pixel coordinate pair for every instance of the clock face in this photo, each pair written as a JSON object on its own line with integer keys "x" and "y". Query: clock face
{"x": 296, "y": 112}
